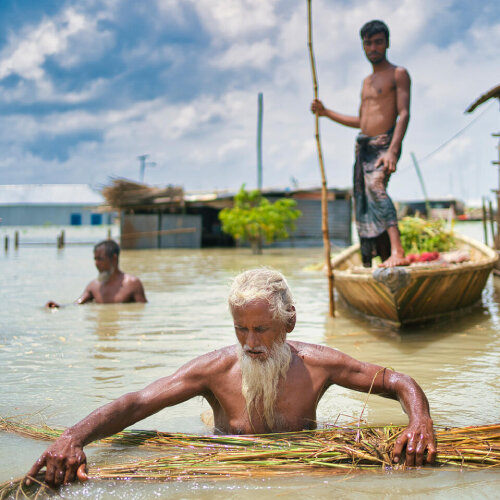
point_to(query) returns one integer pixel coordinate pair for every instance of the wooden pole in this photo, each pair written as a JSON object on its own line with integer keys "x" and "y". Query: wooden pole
{"x": 422, "y": 185}
{"x": 324, "y": 190}
{"x": 485, "y": 223}
{"x": 496, "y": 244}
{"x": 259, "y": 140}
{"x": 16, "y": 239}
{"x": 492, "y": 223}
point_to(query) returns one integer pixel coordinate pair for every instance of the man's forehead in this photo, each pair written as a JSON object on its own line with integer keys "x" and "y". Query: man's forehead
{"x": 254, "y": 307}
{"x": 100, "y": 251}
{"x": 376, "y": 36}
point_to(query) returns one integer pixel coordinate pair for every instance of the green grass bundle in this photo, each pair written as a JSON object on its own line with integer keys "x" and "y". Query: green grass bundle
{"x": 420, "y": 235}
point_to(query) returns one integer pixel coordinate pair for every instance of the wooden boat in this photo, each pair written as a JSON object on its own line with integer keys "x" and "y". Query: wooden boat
{"x": 416, "y": 293}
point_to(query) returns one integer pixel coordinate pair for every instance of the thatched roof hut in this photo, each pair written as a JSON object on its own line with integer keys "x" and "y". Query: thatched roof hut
{"x": 124, "y": 194}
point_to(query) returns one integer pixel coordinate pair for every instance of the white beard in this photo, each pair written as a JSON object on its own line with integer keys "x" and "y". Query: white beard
{"x": 259, "y": 379}
{"x": 104, "y": 276}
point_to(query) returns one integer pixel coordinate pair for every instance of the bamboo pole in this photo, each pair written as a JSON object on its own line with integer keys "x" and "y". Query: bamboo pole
{"x": 324, "y": 191}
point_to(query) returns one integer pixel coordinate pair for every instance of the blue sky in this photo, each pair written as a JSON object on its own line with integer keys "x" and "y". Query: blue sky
{"x": 86, "y": 86}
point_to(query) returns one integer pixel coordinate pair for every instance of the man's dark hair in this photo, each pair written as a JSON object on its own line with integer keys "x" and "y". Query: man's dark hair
{"x": 110, "y": 248}
{"x": 372, "y": 28}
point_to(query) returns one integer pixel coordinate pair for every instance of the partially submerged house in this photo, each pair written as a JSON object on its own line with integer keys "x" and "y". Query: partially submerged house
{"x": 51, "y": 204}
{"x": 170, "y": 218}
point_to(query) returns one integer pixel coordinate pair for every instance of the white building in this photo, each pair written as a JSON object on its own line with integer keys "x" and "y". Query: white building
{"x": 45, "y": 204}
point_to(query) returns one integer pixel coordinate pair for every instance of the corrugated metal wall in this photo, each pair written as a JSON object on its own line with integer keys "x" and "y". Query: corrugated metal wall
{"x": 308, "y": 227}
{"x": 139, "y": 231}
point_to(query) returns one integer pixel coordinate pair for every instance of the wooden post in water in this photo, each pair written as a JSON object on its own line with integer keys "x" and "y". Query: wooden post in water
{"x": 485, "y": 226}
{"x": 492, "y": 222}
{"x": 6, "y": 243}
{"x": 422, "y": 185}
{"x": 16, "y": 240}
{"x": 496, "y": 240}
{"x": 324, "y": 190}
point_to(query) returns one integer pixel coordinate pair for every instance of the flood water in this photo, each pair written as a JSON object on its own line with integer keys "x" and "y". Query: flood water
{"x": 57, "y": 366}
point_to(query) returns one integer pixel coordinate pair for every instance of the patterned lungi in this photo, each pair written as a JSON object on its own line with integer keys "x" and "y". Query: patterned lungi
{"x": 374, "y": 209}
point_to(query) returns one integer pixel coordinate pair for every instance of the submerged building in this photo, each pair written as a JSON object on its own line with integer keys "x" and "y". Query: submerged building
{"x": 51, "y": 204}
{"x": 170, "y": 218}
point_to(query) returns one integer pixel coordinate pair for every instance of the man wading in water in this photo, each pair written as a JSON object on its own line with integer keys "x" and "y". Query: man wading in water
{"x": 383, "y": 118}
{"x": 262, "y": 384}
{"x": 112, "y": 286}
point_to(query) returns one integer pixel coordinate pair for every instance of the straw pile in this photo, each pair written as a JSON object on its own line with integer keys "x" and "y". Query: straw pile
{"x": 124, "y": 193}
{"x": 334, "y": 449}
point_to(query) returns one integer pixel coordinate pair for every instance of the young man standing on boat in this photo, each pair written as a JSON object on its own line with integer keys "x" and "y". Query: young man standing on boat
{"x": 264, "y": 383}
{"x": 112, "y": 286}
{"x": 383, "y": 118}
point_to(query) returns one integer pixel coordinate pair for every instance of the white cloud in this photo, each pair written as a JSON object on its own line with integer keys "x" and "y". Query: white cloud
{"x": 236, "y": 18}
{"x": 26, "y": 56}
{"x": 256, "y": 55}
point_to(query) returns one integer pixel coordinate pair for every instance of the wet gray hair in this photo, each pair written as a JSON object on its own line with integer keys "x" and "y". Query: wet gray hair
{"x": 263, "y": 283}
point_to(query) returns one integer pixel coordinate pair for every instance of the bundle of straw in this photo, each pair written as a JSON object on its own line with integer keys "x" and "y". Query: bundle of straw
{"x": 333, "y": 449}
{"x": 124, "y": 193}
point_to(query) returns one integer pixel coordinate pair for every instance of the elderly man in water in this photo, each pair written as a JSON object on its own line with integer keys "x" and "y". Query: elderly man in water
{"x": 112, "y": 286}
{"x": 264, "y": 383}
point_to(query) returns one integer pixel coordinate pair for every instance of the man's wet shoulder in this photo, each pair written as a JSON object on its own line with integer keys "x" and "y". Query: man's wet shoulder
{"x": 311, "y": 353}
{"x": 219, "y": 360}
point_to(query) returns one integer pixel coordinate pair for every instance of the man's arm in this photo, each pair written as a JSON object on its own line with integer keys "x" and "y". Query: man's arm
{"x": 138, "y": 294}
{"x": 403, "y": 83}
{"x": 86, "y": 296}
{"x": 366, "y": 377}
{"x": 65, "y": 456}
{"x": 347, "y": 120}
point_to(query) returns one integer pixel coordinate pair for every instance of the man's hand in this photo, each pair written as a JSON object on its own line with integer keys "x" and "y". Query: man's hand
{"x": 64, "y": 462}
{"x": 317, "y": 107}
{"x": 389, "y": 161}
{"x": 417, "y": 437}
{"x": 52, "y": 305}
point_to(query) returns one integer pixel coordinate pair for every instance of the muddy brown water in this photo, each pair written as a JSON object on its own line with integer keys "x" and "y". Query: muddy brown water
{"x": 57, "y": 366}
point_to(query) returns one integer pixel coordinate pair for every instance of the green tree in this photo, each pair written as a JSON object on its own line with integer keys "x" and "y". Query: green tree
{"x": 255, "y": 219}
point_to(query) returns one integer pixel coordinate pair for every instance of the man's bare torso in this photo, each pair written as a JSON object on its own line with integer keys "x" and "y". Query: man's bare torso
{"x": 297, "y": 399}
{"x": 378, "y": 112}
{"x": 119, "y": 289}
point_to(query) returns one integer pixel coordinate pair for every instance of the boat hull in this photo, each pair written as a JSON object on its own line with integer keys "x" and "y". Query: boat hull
{"x": 426, "y": 293}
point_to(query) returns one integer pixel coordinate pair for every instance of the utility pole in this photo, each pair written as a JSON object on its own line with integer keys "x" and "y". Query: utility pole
{"x": 142, "y": 160}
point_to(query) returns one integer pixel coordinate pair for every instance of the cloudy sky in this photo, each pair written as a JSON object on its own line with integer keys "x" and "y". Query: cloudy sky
{"x": 86, "y": 86}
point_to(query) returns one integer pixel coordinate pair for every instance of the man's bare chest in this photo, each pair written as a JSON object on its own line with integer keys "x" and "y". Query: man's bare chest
{"x": 294, "y": 408}
{"x": 378, "y": 88}
{"x": 111, "y": 293}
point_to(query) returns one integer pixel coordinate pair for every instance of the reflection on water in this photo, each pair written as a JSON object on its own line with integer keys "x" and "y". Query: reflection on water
{"x": 59, "y": 365}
